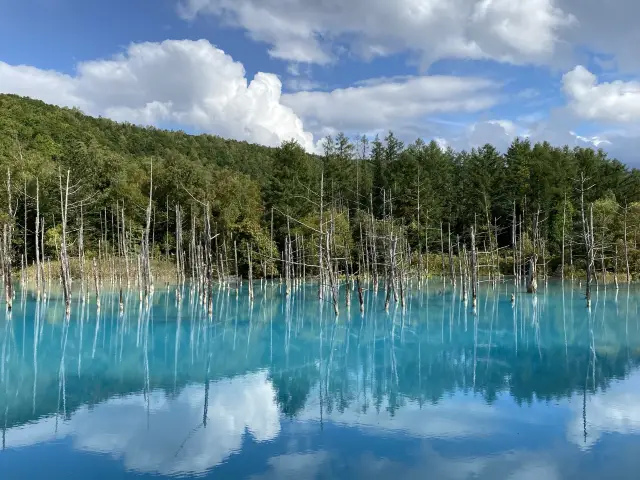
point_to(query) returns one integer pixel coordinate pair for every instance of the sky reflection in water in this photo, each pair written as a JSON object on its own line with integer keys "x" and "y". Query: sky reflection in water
{"x": 540, "y": 389}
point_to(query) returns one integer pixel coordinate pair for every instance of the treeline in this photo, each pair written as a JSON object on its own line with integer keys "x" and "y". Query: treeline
{"x": 529, "y": 199}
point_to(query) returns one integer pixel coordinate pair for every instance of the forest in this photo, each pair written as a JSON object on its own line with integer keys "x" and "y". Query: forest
{"x": 74, "y": 186}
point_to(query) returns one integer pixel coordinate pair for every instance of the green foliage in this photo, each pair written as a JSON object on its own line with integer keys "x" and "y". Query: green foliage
{"x": 248, "y": 185}
{"x": 52, "y": 237}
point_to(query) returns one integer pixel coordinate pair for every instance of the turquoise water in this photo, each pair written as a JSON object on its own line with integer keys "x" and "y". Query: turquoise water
{"x": 542, "y": 389}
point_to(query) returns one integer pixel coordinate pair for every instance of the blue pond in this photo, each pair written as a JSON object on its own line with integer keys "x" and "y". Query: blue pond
{"x": 541, "y": 389}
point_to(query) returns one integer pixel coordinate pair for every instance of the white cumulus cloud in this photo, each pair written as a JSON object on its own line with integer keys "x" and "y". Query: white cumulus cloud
{"x": 616, "y": 101}
{"x": 184, "y": 82}
{"x": 390, "y": 103}
{"x": 312, "y": 31}
{"x": 524, "y": 31}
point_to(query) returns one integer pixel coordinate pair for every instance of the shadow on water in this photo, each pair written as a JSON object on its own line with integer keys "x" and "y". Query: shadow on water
{"x": 169, "y": 391}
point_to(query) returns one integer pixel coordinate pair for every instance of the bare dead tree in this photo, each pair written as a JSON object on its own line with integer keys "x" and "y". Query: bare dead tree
{"x": 442, "y": 251}
{"x": 626, "y": 244}
{"x": 514, "y": 247}
{"x": 144, "y": 250}
{"x": 25, "y": 259}
{"x": 463, "y": 268}
{"x": 81, "y": 254}
{"x": 64, "y": 255}
{"x": 125, "y": 246}
{"x": 250, "y": 279}
{"x": 238, "y": 279}
{"x": 39, "y": 273}
{"x": 7, "y": 245}
{"x": 532, "y": 278}
{"x": 330, "y": 273}
{"x": 564, "y": 221}
{"x": 96, "y": 282}
{"x": 43, "y": 259}
{"x": 347, "y": 286}
{"x": 179, "y": 253}
{"x": 474, "y": 269}
{"x": 426, "y": 245}
{"x": 320, "y": 240}
{"x": 587, "y": 228}
{"x": 452, "y": 269}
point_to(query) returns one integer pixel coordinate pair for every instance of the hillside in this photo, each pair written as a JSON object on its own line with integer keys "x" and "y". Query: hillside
{"x": 421, "y": 185}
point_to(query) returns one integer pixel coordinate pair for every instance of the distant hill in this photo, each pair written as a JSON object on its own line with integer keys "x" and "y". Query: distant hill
{"x": 254, "y": 191}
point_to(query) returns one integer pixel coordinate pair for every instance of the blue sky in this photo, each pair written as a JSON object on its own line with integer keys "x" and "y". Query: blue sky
{"x": 464, "y": 72}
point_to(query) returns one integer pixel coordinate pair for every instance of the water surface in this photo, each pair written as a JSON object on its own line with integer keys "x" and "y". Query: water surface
{"x": 542, "y": 388}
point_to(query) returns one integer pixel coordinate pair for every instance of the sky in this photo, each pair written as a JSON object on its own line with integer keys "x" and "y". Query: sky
{"x": 461, "y": 72}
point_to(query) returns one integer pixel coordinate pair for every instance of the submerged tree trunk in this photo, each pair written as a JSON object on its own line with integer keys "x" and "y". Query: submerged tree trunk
{"x": 442, "y": 251}
{"x": 320, "y": 240}
{"x": 96, "y": 283}
{"x": 25, "y": 259}
{"x": 587, "y": 227}
{"x": 360, "y": 296}
{"x": 64, "y": 256}
{"x": 513, "y": 242}
{"x": 7, "y": 247}
{"x": 474, "y": 269}
{"x": 208, "y": 262}
{"x": 37, "y": 241}
{"x": 564, "y": 221}
{"x": 452, "y": 269}
{"x": 145, "y": 250}
{"x": 81, "y": 254}
{"x": 249, "y": 259}
{"x": 626, "y": 246}
{"x": 532, "y": 280}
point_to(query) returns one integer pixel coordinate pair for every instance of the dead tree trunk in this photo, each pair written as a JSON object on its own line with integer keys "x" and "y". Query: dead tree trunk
{"x": 532, "y": 278}
{"x": 374, "y": 251}
{"x": 125, "y": 247}
{"x": 146, "y": 262}
{"x": 320, "y": 240}
{"x": 588, "y": 240}
{"x": 347, "y": 286}
{"x": 249, "y": 259}
{"x": 564, "y": 221}
{"x": 626, "y": 246}
{"x": 25, "y": 259}
{"x": 43, "y": 258}
{"x": 81, "y": 254}
{"x": 464, "y": 272}
{"x": 442, "y": 250}
{"x": 193, "y": 248}
{"x": 208, "y": 261}
{"x": 7, "y": 247}
{"x": 615, "y": 266}
{"x": 452, "y": 268}
{"x": 602, "y": 261}
{"x": 400, "y": 272}
{"x": 426, "y": 246}
{"x": 179, "y": 255}
{"x": 238, "y": 279}
{"x": 513, "y": 243}
{"x": 96, "y": 282}
{"x": 520, "y": 256}
{"x": 474, "y": 269}
{"x": 39, "y": 275}
{"x": 331, "y": 275}
{"x": 64, "y": 256}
